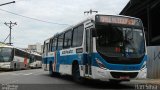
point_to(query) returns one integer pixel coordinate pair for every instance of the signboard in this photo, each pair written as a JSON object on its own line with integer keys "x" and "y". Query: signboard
{"x": 118, "y": 20}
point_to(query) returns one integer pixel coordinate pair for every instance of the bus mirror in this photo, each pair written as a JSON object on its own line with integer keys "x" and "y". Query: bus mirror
{"x": 94, "y": 33}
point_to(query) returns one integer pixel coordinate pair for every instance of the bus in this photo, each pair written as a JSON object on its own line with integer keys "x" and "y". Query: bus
{"x": 35, "y": 60}
{"x": 102, "y": 47}
{"x": 12, "y": 58}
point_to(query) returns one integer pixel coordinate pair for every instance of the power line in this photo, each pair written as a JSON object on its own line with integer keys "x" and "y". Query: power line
{"x": 7, "y": 3}
{"x": 33, "y": 18}
{"x": 6, "y": 38}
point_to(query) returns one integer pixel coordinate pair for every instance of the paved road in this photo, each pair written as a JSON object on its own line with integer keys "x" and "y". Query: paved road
{"x": 37, "y": 79}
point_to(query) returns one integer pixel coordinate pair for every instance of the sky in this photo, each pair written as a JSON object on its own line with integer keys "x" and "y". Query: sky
{"x": 38, "y": 20}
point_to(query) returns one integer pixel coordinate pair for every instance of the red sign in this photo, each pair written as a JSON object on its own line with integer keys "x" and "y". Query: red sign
{"x": 25, "y": 61}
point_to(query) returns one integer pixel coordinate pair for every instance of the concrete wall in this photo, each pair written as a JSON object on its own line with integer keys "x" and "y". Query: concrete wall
{"x": 153, "y": 63}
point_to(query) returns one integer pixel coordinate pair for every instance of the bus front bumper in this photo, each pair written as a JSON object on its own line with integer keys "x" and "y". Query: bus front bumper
{"x": 5, "y": 67}
{"x": 105, "y": 74}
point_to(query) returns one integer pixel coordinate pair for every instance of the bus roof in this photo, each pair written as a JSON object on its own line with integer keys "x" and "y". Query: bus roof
{"x": 5, "y": 45}
{"x": 84, "y": 20}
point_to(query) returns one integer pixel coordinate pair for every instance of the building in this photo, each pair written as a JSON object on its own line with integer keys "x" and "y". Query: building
{"x": 36, "y": 48}
{"x": 149, "y": 12}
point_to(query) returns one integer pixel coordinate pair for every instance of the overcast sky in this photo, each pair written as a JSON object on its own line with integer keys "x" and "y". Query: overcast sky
{"x": 58, "y": 13}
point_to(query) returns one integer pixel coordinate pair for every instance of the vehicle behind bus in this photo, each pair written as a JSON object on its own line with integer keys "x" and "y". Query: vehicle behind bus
{"x": 104, "y": 47}
{"x": 35, "y": 60}
{"x": 12, "y": 58}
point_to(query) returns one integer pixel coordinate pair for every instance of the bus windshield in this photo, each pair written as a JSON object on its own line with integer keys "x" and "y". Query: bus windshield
{"x": 5, "y": 54}
{"x": 32, "y": 59}
{"x": 120, "y": 41}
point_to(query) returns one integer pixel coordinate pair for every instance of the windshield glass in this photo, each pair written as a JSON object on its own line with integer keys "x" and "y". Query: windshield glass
{"x": 5, "y": 54}
{"x": 32, "y": 59}
{"x": 120, "y": 41}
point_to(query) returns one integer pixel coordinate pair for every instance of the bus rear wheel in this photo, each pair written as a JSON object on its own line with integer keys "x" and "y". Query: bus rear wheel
{"x": 14, "y": 67}
{"x": 51, "y": 73}
{"x": 76, "y": 73}
{"x": 50, "y": 69}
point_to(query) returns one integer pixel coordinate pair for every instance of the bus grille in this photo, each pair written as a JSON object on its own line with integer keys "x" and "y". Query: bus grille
{"x": 124, "y": 74}
{"x": 122, "y": 60}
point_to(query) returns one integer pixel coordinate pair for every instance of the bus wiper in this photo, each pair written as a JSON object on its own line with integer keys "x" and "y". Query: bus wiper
{"x": 127, "y": 41}
{"x": 127, "y": 35}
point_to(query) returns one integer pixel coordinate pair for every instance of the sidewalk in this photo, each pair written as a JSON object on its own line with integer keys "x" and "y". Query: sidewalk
{"x": 148, "y": 81}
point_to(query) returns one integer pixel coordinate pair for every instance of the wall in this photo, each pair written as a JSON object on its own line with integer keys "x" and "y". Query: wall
{"x": 153, "y": 63}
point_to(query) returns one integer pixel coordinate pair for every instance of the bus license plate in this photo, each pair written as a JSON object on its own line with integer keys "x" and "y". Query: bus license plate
{"x": 124, "y": 77}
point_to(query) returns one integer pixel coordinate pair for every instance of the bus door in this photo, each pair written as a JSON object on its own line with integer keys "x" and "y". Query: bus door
{"x": 88, "y": 70}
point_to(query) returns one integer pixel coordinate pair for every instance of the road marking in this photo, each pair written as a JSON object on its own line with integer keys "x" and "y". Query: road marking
{"x": 5, "y": 73}
{"x": 28, "y": 73}
{"x": 15, "y": 74}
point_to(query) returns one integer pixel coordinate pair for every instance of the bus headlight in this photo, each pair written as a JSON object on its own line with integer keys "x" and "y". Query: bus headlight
{"x": 6, "y": 66}
{"x": 100, "y": 64}
{"x": 144, "y": 65}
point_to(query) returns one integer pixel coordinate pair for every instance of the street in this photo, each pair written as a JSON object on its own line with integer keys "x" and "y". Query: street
{"x": 95, "y": 39}
{"x": 37, "y": 79}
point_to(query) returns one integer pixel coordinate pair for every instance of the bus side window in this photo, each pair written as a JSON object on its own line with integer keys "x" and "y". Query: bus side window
{"x": 13, "y": 53}
{"x": 54, "y": 44}
{"x": 67, "y": 39}
{"x": 60, "y": 42}
{"x": 78, "y": 36}
{"x": 50, "y": 45}
{"x": 44, "y": 47}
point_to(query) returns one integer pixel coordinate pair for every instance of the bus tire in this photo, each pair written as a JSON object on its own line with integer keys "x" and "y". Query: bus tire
{"x": 76, "y": 73}
{"x": 37, "y": 66}
{"x": 50, "y": 69}
{"x": 14, "y": 67}
{"x": 51, "y": 73}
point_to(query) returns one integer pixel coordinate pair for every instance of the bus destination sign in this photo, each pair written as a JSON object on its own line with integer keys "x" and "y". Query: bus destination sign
{"x": 118, "y": 20}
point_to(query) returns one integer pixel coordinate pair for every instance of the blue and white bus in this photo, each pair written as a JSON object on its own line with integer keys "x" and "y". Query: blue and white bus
{"x": 103, "y": 47}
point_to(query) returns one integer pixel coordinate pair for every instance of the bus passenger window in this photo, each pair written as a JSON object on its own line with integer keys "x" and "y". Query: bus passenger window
{"x": 60, "y": 41}
{"x": 78, "y": 36}
{"x": 67, "y": 39}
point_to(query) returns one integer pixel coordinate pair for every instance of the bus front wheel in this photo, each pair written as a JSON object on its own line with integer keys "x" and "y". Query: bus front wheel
{"x": 14, "y": 67}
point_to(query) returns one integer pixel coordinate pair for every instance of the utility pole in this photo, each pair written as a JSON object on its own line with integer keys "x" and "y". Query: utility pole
{"x": 90, "y": 12}
{"x": 10, "y": 25}
{"x": 7, "y": 3}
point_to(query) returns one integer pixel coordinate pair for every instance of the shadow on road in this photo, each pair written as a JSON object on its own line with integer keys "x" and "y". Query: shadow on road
{"x": 97, "y": 84}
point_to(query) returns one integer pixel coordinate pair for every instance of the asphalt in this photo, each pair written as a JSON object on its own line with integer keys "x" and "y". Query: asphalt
{"x": 37, "y": 79}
